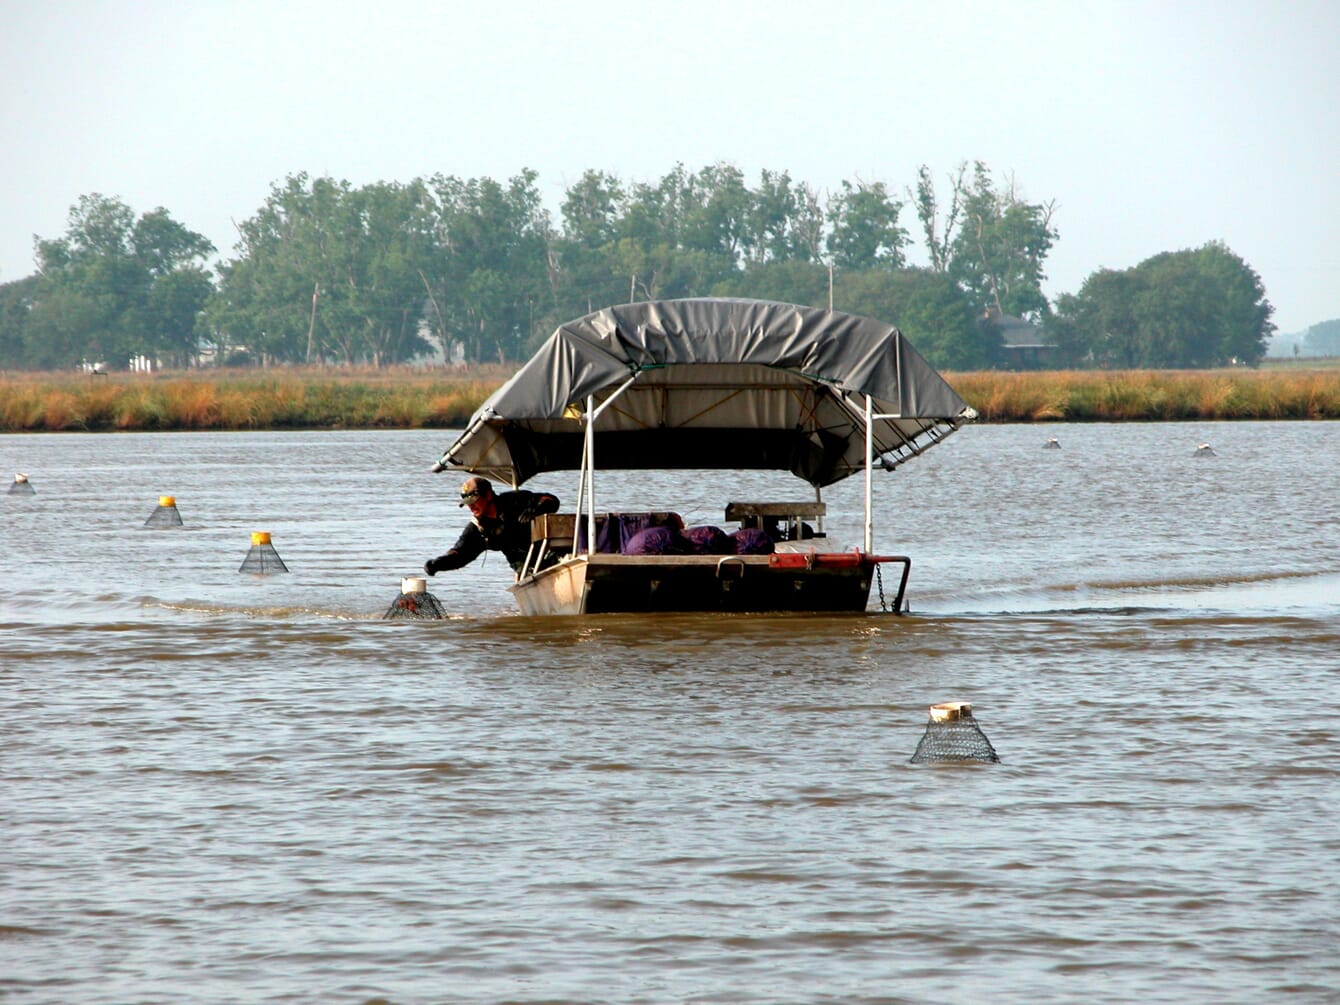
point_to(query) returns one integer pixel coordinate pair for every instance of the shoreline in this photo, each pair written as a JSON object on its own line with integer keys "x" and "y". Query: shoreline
{"x": 404, "y": 398}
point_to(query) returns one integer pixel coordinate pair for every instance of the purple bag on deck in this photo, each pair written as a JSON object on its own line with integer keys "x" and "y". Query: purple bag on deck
{"x": 654, "y": 541}
{"x": 709, "y": 541}
{"x": 752, "y": 541}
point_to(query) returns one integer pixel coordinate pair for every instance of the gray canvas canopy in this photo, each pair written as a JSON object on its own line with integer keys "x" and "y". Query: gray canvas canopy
{"x": 713, "y": 384}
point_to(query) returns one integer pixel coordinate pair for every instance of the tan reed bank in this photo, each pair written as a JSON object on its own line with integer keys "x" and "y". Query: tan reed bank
{"x": 1153, "y": 395}
{"x": 314, "y": 398}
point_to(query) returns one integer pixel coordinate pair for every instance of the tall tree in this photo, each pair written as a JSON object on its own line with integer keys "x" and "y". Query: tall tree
{"x": 1000, "y": 248}
{"x": 718, "y": 211}
{"x": 329, "y": 272}
{"x": 493, "y": 266}
{"x": 116, "y": 286}
{"x": 580, "y": 261}
{"x": 771, "y": 219}
{"x": 864, "y": 230}
{"x": 938, "y": 232}
{"x": 591, "y": 209}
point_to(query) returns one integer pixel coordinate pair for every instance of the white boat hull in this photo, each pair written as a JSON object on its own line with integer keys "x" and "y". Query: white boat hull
{"x": 609, "y": 583}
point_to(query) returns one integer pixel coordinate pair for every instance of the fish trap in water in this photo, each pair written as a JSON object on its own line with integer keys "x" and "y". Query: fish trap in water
{"x": 952, "y": 735}
{"x": 166, "y": 515}
{"x": 262, "y": 559}
{"x": 20, "y": 486}
{"x": 415, "y": 603}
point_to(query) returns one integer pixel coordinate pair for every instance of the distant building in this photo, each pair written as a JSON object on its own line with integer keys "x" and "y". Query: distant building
{"x": 1023, "y": 343}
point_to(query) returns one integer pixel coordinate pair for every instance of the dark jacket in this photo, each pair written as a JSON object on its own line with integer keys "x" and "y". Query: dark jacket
{"x": 508, "y": 531}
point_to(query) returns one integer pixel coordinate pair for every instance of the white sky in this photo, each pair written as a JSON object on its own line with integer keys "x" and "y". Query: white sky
{"x": 1155, "y": 126}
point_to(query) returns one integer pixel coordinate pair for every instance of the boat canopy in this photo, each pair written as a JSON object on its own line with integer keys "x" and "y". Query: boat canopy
{"x": 714, "y": 384}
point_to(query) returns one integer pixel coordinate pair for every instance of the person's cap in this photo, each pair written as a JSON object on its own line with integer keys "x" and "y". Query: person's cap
{"x": 474, "y": 488}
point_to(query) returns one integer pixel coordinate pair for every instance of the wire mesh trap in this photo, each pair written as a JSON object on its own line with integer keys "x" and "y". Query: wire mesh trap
{"x": 262, "y": 559}
{"x": 953, "y": 736}
{"x": 415, "y": 603}
{"x": 165, "y": 515}
{"x": 20, "y": 486}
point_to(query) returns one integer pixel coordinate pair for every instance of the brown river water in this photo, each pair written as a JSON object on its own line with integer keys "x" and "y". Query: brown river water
{"x": 219, "y": 787}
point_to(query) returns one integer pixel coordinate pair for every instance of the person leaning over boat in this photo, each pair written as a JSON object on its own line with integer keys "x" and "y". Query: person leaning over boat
{"x": 501, "y": 522}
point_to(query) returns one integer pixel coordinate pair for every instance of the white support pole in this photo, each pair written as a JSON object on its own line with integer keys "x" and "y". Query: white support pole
{"x": 869, "y": 466}
{"x": 590, "y": 474}
{"x": 589, "y": 459}
{"x": 581, "y": 492}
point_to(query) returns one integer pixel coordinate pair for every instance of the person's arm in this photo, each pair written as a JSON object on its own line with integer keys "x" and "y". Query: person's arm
{"x": 468, "y": 547}
{"x": 538, "y": 504}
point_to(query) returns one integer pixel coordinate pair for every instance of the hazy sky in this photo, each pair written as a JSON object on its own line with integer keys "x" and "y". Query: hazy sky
{"x": 1154, "y": 126}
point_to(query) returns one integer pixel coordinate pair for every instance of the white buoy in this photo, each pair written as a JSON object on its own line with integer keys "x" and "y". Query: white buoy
{"x": 1205, "y": 450}
{"x": 1052, "y": 443}
{"x": 262, "y": 559}
{"x": 951, "y": 711}
{"x": 165, "y": 515}
{"x": 21, "y": 486}
{"x": 415, "y": 603}
{"x": 952, "y": 735}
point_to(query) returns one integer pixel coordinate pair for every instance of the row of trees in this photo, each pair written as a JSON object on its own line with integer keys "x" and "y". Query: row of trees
{"x": 114, "y": 287}
{"x": 480, "y": 270}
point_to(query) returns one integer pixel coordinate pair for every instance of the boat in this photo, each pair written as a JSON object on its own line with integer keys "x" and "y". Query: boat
{"x": 708, "y": 384}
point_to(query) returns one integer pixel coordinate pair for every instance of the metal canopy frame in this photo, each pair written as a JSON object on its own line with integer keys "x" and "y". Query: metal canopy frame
{"x": 586, "y": 478}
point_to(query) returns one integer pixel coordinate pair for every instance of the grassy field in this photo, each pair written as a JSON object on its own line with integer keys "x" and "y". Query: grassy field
{"x": 313, "y": 398}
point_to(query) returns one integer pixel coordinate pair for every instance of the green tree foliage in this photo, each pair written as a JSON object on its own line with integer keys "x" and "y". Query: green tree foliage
{"x": 115, "y": 286}
{"x": 792, "y": 281}
{"x": 676, "y": 237}
{"x": 325, "y": 271}
{"x": 999, "y": 249}
{"x": 1196, "y": 308}
{"x": 934, "y": 313}
{"x": 938, "y": 230}
{"x": 490, "y": 266}
{"x": 929, "y": 309}
{"x": 328, "y": 272}
{"x": 864, "y": 229}
{"x": 16, "y": 305}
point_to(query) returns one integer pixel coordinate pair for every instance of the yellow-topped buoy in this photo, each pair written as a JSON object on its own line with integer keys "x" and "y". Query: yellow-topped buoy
{"x": 165, "y": 515}
{"x": 21, "y": 486}
{"x": 262, "y": 558}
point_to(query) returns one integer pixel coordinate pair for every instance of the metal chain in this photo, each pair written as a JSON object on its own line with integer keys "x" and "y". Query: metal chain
{"x": 879, "y": 582}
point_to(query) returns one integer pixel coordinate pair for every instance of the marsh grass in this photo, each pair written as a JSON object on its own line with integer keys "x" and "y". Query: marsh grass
{"x": 1151, "y": 395}
{"x": 312, "y": 398}
{"x": 307, "y": 398}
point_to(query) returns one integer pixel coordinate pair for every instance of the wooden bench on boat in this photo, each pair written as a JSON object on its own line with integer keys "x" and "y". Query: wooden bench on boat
{"x": 788, "y": 518}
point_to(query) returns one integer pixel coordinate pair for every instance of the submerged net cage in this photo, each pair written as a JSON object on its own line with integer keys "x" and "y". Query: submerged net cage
{"x": 262, "y": 559}
{"x": 21, "y": 486}
{"x": 415, "y": 603}
{"x": 165, "y": 515}
{"x": 952, "y": 735}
